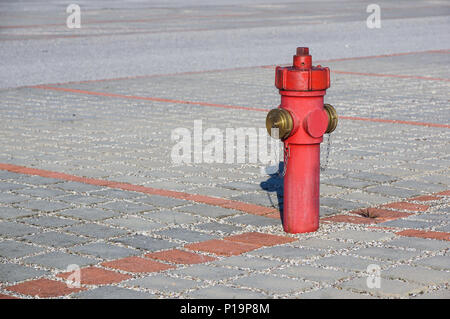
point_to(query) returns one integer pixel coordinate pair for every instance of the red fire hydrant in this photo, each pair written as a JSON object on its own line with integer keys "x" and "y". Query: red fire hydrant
{"x": 301, "y": 120}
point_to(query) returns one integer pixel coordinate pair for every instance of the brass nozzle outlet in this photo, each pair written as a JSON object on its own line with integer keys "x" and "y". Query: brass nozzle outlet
{"x": 280, "y": 119}
{"x": 332, "y": 118}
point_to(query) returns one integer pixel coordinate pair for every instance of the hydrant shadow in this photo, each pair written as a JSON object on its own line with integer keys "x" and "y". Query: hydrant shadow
{"x": 275, "y": 184}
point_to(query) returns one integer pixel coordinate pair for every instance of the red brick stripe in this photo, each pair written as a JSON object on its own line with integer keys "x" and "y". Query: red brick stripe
{"x": 44, "y": 87}
{"x": 424, "y": 234}
{"x": 213, "y": 201}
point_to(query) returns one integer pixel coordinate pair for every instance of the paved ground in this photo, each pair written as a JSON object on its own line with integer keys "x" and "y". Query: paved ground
{"x": 86, "y": 177}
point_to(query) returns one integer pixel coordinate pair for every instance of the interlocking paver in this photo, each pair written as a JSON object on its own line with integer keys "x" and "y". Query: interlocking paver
{"x": 12, "y": 229}
{"x": 436, "y": 262}
{"x": 11, "y": 212}
{"x": 272, "y": 284}
{"x": 223, "y": 292}
{"x": 14, "y": 249}
{"x": 13, "y": 273}
{"x": 418, "y": 274}
{"x": 49, "y": 221}
{"x": 186, "y": 235}
{"x": 145, "y": 242}
{"x": 104, "y": 250}
{"x": 96, "y": 230}
{"x": 159, "y": 283}
{"x": 59, "y": 260}
{"x": 87, "y": 213}
{"x": 388, "y": 287}
{"x": 112, "y": 292}
{"x": 55, "y": 239}
{"x": 208, "y": 210}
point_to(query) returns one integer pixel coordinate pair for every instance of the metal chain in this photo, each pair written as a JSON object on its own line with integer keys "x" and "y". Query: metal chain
{"x": 287, "y": 154}
{"x": 322, "y": 168}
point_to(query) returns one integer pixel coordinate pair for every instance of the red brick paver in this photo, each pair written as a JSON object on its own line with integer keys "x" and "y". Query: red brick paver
{"x": 180, "y": 257}
{"x": 425, "y": 234}
{"x": 407, "y": 206}
{"x": 260, "y": 239}
{"x": 97, "y": 276}
{"x": 222, "y": 247}
{"x": 43, "y": 288}
{"x": 137, "y": 264}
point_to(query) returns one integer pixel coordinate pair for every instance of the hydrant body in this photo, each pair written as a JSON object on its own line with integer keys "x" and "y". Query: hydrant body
{"x": 301, "y": 120}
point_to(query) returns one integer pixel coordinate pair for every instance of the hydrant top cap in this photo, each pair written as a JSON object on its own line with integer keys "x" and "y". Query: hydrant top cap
{"x": 302, "y": 75}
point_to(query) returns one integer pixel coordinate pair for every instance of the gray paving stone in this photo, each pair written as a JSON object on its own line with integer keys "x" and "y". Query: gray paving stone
{"x": 208, "y": 210}
{"x": 272, "y": 285}
{"x": 420, "y": 275}
{"x": 105, "y": 251}
{"x": 9, "y": 175}
{"x": 319, "y": 243}
{"x": 215, "y": 227}
{"x": 160, "y": 283}
{"x": 340, "y": 204}
{"x": 445, "y": 228}
{"x": 7, "y": 186}
{"x": 254, "y": 220}
{"x": 55, "y": 239}
{"x": 126, "y": 207}
{"x": 10, "y": 273}
{"x": 116, "y": 194}
{"x": 349, "y": 263}
{"x": 146, "y": 243}
{"x": 246, "y": 262}
{"x": 333, "y": 293}
{"x": 363, "y": 235}
{"x": 386, "y": 253}
{"x": 59, "y": 260}
{"x": 347, "y": 182}
{"x": 419, "y": 243}
{"x": 14, "y": 249}
{"x": 77, "y": 187}
{"x": 135, "y": 223}
{"x": 82, "y": 199}
{"x": 6, "y": 198}
{"x": 162, "y": 201}
{"x": 12, "y": 229}
{"x": 404, "y": 223}
{"x": 37, "y": 180}
{"x": 96, "y": 231}
{"x": 88, "y": 213}
{"x": 440, "y": 294}
{"x": 393, "y": 191}
{"x": 44, "y": 205}
{"x": 41, "y": 192}
{"x": 241, "y": 186}
{"x": 287, "y": 252}
{"x": 173, "y": 217}
{"x": 224, "y": 292}
{"x": 388, "y": 287}
{"x": 49, "y": 221}
{"x": 436, "y": 262}
{"x": 312, "y": 273}
{"x": 372, "y": 177}
{"x": 113, "y": 292}
{"x": 206, "y": 272}
{"x": 183, "y": 234}
{"x": 11, "y": 212}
